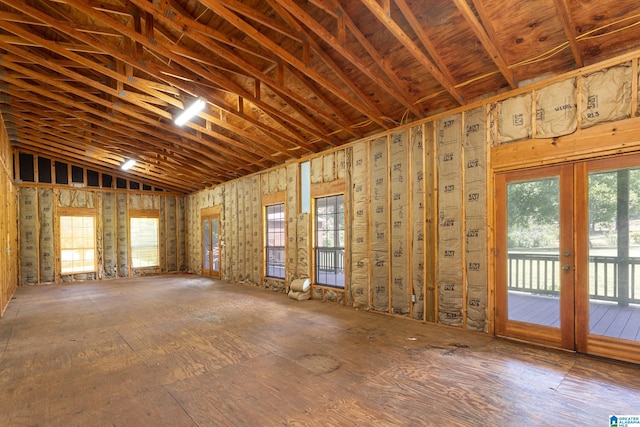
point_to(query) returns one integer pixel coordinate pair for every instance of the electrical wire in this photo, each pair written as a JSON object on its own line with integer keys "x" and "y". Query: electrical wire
{"x": 538, "y": 58}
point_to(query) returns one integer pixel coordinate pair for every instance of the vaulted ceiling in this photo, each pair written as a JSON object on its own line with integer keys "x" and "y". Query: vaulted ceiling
{"x": 96, "y": 82}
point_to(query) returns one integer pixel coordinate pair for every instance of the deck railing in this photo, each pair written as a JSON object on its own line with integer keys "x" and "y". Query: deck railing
{"x": 540, "y": 274}
{"x": 330, "y": 266}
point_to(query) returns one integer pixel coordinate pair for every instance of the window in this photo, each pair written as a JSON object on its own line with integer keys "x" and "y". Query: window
{"x": 44, "y": 170}
{"x": 275, "y": 256}
{"x": 144, "y": 242}
{"x": 305, "y": 187}
{"x": 62, "y": 173}
{"x": 330, "y": 241}
{"x": 77, "y": 244}
{"x": 27, "y": 174}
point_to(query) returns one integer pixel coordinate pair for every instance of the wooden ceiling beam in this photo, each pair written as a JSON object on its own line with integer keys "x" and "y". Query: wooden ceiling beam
{"x": 570, "y": 30}
{"x": 104, "y": 7}
{"x": 68, "y": 46}
{"x": 93, "y": 134}
{"x": 487, "y": 42}
{"x": 426, "y": 42}
{"x": 173, "y": 179}
{"x": 310, "y": 45}
{"x": 183, "y": 23}
{"x": 64, "y": 144}
{"x": 163, "y": 72}
{"x": 117, "y": 94}
{"x": 261, "y": 19}
{"x": 214, "y": 34}
{"x": 373, "y": 74}
{"x": 413, "y": 49}
{"x": 322, "y": 97}
{"x": 175, "y": 53}
{"x": 147, "y": 67}
{"x": 110, "y": 117}
{"x": 235, "y": 20}
{"x": 155, "y": 180}
{"x": 341, "y": 14}
{"x": 122, "y": 96}
{"x": 121, "y": 142}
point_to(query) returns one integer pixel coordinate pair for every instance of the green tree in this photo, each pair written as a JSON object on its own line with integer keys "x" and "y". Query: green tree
{"x": 533, "y": 202}
{"x": 603, "y": 196}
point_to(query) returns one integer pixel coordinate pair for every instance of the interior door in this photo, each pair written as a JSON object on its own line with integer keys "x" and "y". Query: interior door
{"x": 535, "y": 256}
{"x": 211, "y": 245}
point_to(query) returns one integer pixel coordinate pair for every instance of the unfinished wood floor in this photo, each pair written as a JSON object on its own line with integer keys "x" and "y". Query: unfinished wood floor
{"x": 184, "y": 350}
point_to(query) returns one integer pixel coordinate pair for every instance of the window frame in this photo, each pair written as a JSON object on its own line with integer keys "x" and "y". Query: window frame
{"x": 335, "y": 249}
{"x": 76, "y": 213}
{"x": 283, "y": 235}
{"x": 144, "y": 214}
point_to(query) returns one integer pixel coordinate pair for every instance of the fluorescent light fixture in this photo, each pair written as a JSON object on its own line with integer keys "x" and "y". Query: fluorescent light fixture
{"x": 188, "y": 114}
{"x": 128, "y": 164}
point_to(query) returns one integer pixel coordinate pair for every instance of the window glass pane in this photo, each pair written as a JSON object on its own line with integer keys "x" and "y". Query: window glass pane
{"x": 305, "y": 187}
{"x": 144, "y": 242}
{"x": 62, "y": 176}
{"x": 77, "y": 174}
{"x": 26, "y": 167}
{"x": 77, "y": 244}
{"x": 93, "y": 178}
{"x": 215, "y": 245}
{"x": 330, "y": 241}
{"x": 533, "y": 235}
{"x": 275, "y": 236}
{"x": 107, "y": 181}
{"x": 614, "y": 254}
{"x": 44, "y": 170}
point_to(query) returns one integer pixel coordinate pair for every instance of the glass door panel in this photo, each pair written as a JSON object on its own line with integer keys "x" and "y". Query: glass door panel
{"x": 614, "y": 253}
{"x": 535, "y": 257}
{"x": 533, "y": 267}
{"x": 206, "y": 247}
{"x": 215, "y": 247}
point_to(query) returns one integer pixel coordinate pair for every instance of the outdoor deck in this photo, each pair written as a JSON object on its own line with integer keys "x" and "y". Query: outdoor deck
{"x": 606, "y": 318}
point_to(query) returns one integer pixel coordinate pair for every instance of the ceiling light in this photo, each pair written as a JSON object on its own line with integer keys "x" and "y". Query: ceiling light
{"x": 128, "y": 164}
{"x": 187, "y": 114}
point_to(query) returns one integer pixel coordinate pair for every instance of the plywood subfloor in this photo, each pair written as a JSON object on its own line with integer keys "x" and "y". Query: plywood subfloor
{"x": 184, "y": 350}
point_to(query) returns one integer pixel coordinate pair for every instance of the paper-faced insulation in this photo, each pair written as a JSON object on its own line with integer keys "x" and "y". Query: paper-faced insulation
{"x": 450, "y": 290}
{"x": 400, "y": 217}
{"x": 514, "y": 118}
{"x": 379, "y": 224}
{"x": 47, "y": 250}
{"x": 256, "y": 218}
{"x": 606, "y": 95}
{"x": 28, "y": 211}
{"x": 417, "y": 222}
{"x": 122, "y": 235}
{"x": 360, "y": 226}
{"x": 475, "y": 199}
{"x": 109, "y": 232}
{"x": 291, "y": 207}
{"x": 556, "y": 109}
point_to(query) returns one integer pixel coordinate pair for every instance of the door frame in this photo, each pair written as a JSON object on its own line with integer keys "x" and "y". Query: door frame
{"x": 598, "y": 345}
{"x": 210, "y": 214}
{"x": 564, "y": 336}
{"x": 575, "y": 307}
